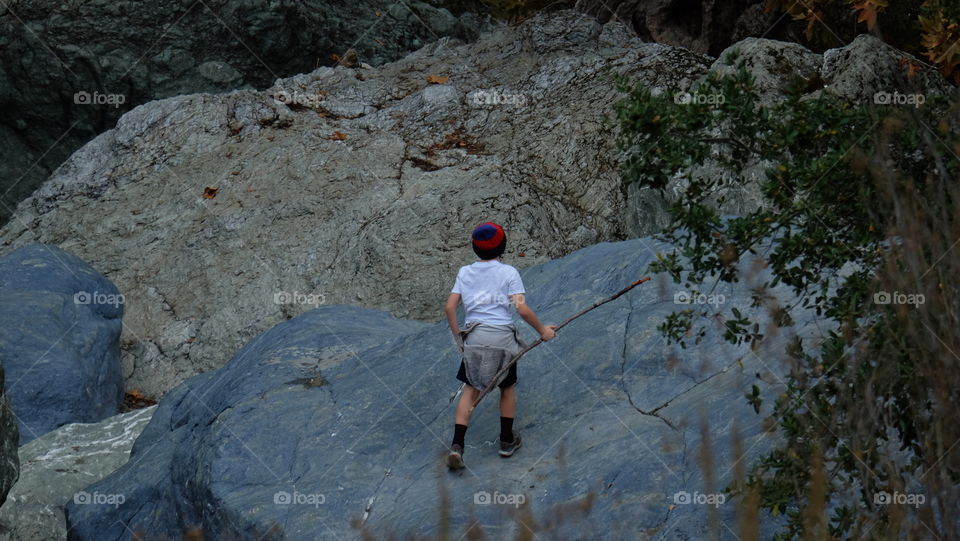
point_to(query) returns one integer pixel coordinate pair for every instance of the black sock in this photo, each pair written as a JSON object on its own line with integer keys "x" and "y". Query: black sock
{"x": 506, "y": 429}
{"x": 459, "y": 431}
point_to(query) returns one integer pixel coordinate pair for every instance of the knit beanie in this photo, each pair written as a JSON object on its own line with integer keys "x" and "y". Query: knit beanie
{"x": 489, "y": 240}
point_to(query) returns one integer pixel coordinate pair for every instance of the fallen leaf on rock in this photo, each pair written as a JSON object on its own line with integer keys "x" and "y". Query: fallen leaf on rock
{"x": 210, "y": 193}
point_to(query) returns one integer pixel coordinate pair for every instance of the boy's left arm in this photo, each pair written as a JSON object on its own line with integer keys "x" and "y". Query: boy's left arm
{"x": 451, "y": 311}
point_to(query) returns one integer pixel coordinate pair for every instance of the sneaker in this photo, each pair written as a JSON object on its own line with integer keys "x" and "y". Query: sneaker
{"x": 455, "y": 458}
{"x": 507, "y": 449}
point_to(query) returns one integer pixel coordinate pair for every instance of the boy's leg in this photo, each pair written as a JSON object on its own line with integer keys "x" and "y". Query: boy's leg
{"x": 466, "y": 402}
{"x": 455, "y": 458}
{"x": 508, "y": 402}
{"x": 508, "y": 410}
{"x": 463, "y": 414}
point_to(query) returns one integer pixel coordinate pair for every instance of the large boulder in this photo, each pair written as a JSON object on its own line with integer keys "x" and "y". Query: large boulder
{"x": 68, "y": 70}
{"x": 57, "y": 466}
{"x": 60, "y": 344}
{"x": 870, "y": 71}
{"x": 335, "y": 185}
{"x": 9, "y": 441}
{"x": 338, "y": 418}
{"x": 855, "y": 73}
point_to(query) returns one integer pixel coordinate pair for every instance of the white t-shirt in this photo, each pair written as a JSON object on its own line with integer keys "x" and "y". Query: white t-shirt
{"x": 485, "y": 288}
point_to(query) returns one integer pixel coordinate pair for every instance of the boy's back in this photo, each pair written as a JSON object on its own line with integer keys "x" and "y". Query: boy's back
{"x": 485, "y": 288}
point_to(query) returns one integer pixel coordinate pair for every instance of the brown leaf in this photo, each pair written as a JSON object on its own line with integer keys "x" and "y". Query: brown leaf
{"x": 437, "y": 79}
{"x": 210, "y": 193}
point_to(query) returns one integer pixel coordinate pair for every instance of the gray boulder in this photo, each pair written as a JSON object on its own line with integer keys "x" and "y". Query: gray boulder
{"x": 334, "y": 184}
{"x": 868, "y": 66}
{"x": 337, "y": 419}
{"x": 9, "y": 441}
{"x": 61, "y": 324}
{"x": 775, "y": 65}
{"x": 853, "y": 73}
{"x": 58, "y": 465}
{"x": 69, "y": 70}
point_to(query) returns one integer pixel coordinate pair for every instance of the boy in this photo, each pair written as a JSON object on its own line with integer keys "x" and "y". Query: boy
{"x": 488, "y": 288}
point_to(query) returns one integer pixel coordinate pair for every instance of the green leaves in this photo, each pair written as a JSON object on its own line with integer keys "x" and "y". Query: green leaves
{"x": 822, "y": 230}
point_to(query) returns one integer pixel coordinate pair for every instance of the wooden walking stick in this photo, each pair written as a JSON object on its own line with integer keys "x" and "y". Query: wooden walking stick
{"x": 539, "y": 341}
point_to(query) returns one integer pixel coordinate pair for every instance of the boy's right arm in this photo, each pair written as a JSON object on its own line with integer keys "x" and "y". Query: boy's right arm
{"x": 547, "y": 332}
{"x": 450, "y": 309}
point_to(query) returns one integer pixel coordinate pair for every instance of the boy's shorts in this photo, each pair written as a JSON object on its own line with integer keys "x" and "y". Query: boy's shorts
{"x": 507, "y": 381}
{"x": 504, "y": 336}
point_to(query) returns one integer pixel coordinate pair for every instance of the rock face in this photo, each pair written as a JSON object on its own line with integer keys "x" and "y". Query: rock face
{"x": 707, "y": 26}
{"x": 9, "y": 441}
{"x": 345, "y": 185}
{"x": 342, "y": 413}
{"x": 222, "y": 215}
{"x": 94, "y": 61}
{"x": 61, "y": 323}
{"x": 58, "y": 465}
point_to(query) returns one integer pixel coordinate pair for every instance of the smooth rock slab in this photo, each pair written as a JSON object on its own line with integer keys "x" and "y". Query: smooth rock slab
{"x": 341, "y": 415}
{"x": 60, "y": 344}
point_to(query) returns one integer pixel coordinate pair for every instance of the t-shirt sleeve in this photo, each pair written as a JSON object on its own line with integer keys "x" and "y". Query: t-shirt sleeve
{"x": 514, "y": 283}
{"x": 457, "y": 286}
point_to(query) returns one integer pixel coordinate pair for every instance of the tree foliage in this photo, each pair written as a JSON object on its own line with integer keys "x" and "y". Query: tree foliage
{"x": 858, "y": 204}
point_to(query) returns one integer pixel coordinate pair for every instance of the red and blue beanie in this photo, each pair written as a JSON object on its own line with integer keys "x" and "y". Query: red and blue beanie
{"x": 489, "y": 240}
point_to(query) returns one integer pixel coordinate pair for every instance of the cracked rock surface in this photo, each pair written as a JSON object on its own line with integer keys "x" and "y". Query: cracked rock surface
{"x": 219, "y": 216}
{"x": 119, "y": 54}
{"x": 341, "y": 414}
{"x": 331, "y": 185}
